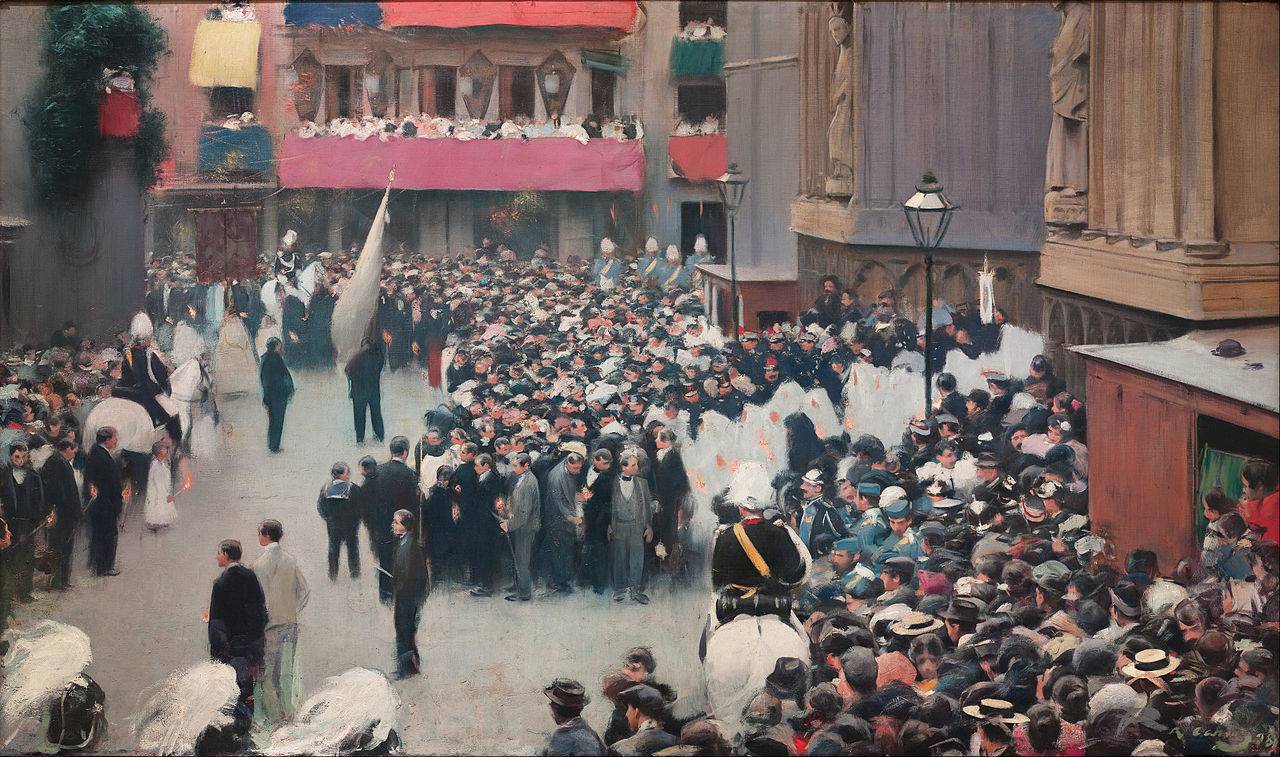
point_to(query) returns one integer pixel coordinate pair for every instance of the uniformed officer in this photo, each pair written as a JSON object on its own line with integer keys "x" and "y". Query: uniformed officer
{"x": 937, "y": 499}
{"x": 902, "y": 537}
{"x": 871, "y": 526}
{"x": 862, "y": 588}
{"x": 820, "y": 524}
{"x": 804, "y": 360}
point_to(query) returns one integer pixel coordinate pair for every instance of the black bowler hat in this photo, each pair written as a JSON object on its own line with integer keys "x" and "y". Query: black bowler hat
{"x": 1228, "y": 348}
{"x": 788, "y": 679}
{"x": 962, "y": 610}
{"x": 644, "y": 698}
{"x": 567, "y": 692}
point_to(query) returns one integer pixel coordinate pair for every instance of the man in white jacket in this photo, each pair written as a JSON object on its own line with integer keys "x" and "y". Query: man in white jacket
{"x": 277, "y": 695}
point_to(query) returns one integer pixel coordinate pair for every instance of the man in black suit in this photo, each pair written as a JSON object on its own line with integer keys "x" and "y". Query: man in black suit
{"x": 63, "y": 496}
{"x": 26, "y": 509}
{"x": 237, "y": 618}
{"x": 364, "y": 377}
{"x": 411, "y": 583}
{"x": 106, "y": 499}
{"x": 671, "y": 489}
{"x": 64, "y": 337}
{"x": 480, "y": 525}
{"x": 395, "y": 488}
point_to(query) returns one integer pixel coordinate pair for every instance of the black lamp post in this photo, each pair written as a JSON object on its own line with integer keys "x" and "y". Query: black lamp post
{"x": 732, "y": 186}
{"x": 928, "y": 214}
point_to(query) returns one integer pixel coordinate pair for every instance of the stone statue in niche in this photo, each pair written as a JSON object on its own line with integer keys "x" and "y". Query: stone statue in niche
{"x": 840, "y": 132}
{"x": 1066, "y": 176}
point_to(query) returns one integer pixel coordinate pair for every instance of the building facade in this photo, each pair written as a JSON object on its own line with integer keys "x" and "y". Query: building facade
{"x": 891, "y": 90}
{"x": 1162, "y": 210}
{"x": 657, "y": 64}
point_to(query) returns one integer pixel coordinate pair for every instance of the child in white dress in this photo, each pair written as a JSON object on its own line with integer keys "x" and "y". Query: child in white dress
{"x": 159, "y": 511}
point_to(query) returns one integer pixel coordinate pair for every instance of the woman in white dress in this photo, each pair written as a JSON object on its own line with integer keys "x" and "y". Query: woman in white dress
{"x": 235, "y": 366}
{"x": 158, "y": 512}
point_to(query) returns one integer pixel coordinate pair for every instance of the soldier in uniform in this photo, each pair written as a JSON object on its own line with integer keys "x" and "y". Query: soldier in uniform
{"x": 861, "y": 589}
{"x": 647, "y": 264}
{"x": 938, "y": 499}
{"x": 144, "y": 376}
{"x": 759, "y": 564}
{"x": 804, "y": 360}
{"x": 751, "y": 361}
{"x": 820, "y": 524}
{"x": 902, "y": 537}
{"x": 870, "y": 524}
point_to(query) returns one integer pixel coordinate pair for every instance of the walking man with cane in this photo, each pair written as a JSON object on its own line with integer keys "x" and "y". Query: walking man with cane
{"x": 524, "y": 518}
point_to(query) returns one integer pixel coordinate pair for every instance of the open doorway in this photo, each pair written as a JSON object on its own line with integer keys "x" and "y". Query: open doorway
{"x": 1223, "y": 449}
{"x": 520, "y": 220}
{"x": 707, "y": 219}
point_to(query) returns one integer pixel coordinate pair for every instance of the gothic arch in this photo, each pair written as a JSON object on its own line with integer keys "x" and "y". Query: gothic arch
{"x": 870, "y": 280}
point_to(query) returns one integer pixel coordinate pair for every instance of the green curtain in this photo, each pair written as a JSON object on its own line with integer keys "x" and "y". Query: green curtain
{"x": 697, "y": 57}
{"x": 1221, "y": 469}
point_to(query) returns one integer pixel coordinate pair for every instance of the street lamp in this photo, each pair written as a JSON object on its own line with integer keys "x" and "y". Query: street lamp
{"x": 928, "y": 214}
{"x": 732, "y": 186}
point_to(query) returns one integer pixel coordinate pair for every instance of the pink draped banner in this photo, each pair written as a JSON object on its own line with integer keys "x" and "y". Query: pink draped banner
{"x": 543, "y": 164}
{"x": 597, "y": 14}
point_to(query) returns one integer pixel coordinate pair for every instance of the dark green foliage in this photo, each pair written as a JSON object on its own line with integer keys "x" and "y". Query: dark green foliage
{"x": 80, "y": 41}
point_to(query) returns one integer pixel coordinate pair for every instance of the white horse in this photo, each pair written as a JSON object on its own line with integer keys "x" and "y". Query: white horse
{"x": 189, "y": 385}
{"x": 307, "y": 279}
{"x": 740, "y": 655}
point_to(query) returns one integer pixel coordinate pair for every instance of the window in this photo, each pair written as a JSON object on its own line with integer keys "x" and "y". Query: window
{"x": 344, "y": 93}
{"x": 603, "y": 85}
{"x": 694, "y": 102}
{"x": 701, "y": 10}
{"x": 517, "y": 88}
{"x": 229, "y": 101}
{"x": 707, "y": 219}
{"x": 438, "y": 91}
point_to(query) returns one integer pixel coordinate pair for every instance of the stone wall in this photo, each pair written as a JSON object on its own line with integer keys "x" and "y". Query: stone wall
{"x": 870, "y": 270}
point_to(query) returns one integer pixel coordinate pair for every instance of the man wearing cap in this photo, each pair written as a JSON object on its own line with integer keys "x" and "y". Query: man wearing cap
{"x": 572, "y": 736}
{"x": 645, "y": 711}
{"x": 837, "y": 565}
{"x": 897, "y": 573}
{"x": 951, "y": 401}
{"x": 803, "y": 360}
{"x": 1126, "y": 610}
{"x": 870, "y": 524}
{"x": 902, "y": 537}
{"x": 820, "y": 524}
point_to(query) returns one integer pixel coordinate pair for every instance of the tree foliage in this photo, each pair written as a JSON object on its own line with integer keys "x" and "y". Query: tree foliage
{"x": 80, "y": 41}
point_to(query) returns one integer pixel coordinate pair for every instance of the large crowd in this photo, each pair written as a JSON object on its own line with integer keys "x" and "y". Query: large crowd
{"x": 592, "y": 438}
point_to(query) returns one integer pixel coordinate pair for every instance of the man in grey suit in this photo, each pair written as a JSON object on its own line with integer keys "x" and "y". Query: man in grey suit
{"x": 630, "y": 529}
{"x": 560, "y": 519}
{"x": 524, "y": 518}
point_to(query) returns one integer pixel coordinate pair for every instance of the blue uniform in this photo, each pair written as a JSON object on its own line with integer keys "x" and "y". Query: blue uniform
{"x": 871, "y": 528}
{"x": 907, "y": 545}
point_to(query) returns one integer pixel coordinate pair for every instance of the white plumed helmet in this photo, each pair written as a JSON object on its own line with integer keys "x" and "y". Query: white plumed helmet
{"x": 651, "y": 245}
{"x": 699, "y": 244}
{"x": 607, "y": 245}
{"x": 750, "y": 487}
{"x": 141, "y": 326}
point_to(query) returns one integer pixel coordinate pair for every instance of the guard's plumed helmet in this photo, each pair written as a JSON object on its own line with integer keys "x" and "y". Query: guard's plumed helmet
{"x": 141, "y": 327}
{"x": 750, "y": 487}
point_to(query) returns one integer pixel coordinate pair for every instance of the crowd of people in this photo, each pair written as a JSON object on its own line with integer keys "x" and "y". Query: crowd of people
{"x": 424, "y": 126}
{"x": 946, "y": 584}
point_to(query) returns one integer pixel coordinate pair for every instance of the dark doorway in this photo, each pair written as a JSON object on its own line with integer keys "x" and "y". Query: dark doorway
{"x": 603, "y": 85}
{"x": 439, "y": 91}
{"x": 520, "y": 220}
{"x": 701, "y": 10}
{"x": 229, "y": 101}
{"x": 707, "y": 219}
{"x": 695, "y": 102}
{"x": 343, "y": 91}
{"x": 516, "y": 92}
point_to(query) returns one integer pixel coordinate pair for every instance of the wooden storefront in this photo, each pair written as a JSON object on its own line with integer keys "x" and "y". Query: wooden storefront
{"x": 1149, "y": 407}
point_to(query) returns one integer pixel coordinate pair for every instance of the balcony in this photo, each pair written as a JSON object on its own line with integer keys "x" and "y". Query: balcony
{"x": 701, "y": 157}
{"x": 697, "y": 57}
{"x": 544, "y": 164}
{"x": 612, "y": 15}
{"x": 617, "y": 16}
{"x": 231, "y": 154}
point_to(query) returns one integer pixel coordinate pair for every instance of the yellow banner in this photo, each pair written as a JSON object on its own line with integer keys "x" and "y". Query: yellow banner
{"x": 225, "y": 54}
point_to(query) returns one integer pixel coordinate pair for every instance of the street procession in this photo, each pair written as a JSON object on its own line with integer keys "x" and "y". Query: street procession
{"x": 404, "y": 378}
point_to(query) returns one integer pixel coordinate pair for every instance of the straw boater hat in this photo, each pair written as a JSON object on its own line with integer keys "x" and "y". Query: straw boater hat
{"x": 915, "y": 624}
{"x": 995, "y": 709}
{"x": 1151, "y": 663}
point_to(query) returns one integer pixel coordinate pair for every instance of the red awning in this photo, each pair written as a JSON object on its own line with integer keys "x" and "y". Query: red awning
{"x": 544, "y": 164}
{"x": 618, "y": 15}
{"x": 703, "y": 157}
